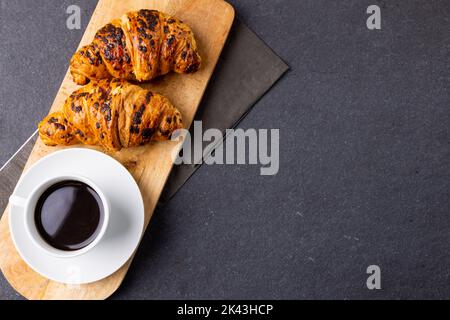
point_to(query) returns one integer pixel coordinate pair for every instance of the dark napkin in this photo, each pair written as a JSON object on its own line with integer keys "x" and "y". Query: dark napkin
{"x": 246, "y": 70}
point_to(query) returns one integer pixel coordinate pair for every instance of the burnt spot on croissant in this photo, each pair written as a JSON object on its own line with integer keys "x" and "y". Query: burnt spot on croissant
{"x": 105, "y": 107}
{"x": 79, "y": 95}
{"x": 96, "y": 105}
{"x": 166, "y": 29}
{"x": 165, "y": 133}
{"x": 102, "y": 136}
{"x": 103, "y": 93}
{"x": 142, "y": 49}
{"x": 59, "y": 126}
{"x": 148, "y": 97}
{"x": 93, "y": 55}
{"x": 97, "y": 125}
{"x": 80, "y": 133}
{"x": 169, "y": 120}
{"x": 107, "y": 111}
{"x": 108, "y": 55}
{"x": 134, "y": 130}
{"x": 52, "y": 120}
{"x": 147, "y": 133}
{"x": 76, "y": 109}
{"x": 183, "y": 55}
{"x": 108, "y": 31}
{"x": 137, "y": 117}
{"x": 151, "y": 18}
{"x": 193, "y": 68}
{"x": 171, "y": 40}
{"x": 142, "y": 30}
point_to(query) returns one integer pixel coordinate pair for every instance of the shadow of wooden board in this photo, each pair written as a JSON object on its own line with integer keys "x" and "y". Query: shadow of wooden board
{"x": 150, "y": 165}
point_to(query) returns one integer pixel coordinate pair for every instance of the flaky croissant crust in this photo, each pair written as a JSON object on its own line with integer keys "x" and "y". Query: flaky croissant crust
{"x": 113, "y": 114}
{"x": 139, "y": 46}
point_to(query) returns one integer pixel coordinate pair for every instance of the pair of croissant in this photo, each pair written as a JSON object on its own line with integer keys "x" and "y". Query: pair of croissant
{"x": 109, "y": 111}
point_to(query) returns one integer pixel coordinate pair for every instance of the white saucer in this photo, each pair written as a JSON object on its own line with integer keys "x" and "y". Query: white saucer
{"x": 125, "y": 226}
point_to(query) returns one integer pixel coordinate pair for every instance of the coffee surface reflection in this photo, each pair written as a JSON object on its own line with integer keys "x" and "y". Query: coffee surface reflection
{"x": 69, "y": 215}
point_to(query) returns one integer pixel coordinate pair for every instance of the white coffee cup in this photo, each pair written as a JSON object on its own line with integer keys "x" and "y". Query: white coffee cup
{"x": 29, "y": 207}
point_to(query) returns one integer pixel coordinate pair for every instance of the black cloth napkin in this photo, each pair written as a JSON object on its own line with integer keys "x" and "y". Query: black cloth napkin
{"x": 246, "y": 70}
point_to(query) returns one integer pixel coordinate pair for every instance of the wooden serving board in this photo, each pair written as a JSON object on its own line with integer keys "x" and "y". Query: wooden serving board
{"x": 150, "y": 165}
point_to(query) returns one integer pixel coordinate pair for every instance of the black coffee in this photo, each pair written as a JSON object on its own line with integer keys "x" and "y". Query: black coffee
{"x": 69, "y": 215}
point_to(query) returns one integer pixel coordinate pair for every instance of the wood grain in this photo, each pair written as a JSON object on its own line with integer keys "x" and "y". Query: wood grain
{"x": 211, "y": 21}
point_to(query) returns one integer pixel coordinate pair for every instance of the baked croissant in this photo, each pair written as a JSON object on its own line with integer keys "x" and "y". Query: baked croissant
{"x": 140, "y": 46}
{"x": 112, "y": 113}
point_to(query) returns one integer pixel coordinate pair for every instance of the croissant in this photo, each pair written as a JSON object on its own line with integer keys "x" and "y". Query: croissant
{"x": 139, "y": 46}
{"x": 112, "y": 113}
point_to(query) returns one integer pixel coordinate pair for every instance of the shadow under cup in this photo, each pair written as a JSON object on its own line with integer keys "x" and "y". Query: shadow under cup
{"x": 66, "y": 216}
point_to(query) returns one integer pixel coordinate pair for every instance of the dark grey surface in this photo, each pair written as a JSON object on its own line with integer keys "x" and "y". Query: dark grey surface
{"x": 364, "y": 169}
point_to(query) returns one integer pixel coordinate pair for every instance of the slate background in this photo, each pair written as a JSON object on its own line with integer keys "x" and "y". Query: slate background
{"x": 364, "y": 170}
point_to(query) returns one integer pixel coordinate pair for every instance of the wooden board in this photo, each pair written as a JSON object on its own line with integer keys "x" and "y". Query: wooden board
{"x": 150, "y": 165}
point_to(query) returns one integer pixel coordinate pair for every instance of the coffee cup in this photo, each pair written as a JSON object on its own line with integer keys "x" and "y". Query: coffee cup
{"x": 65, "y": 216}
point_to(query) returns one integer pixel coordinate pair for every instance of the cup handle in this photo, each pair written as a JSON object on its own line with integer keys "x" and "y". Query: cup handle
{"x": 17, "y": 201}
